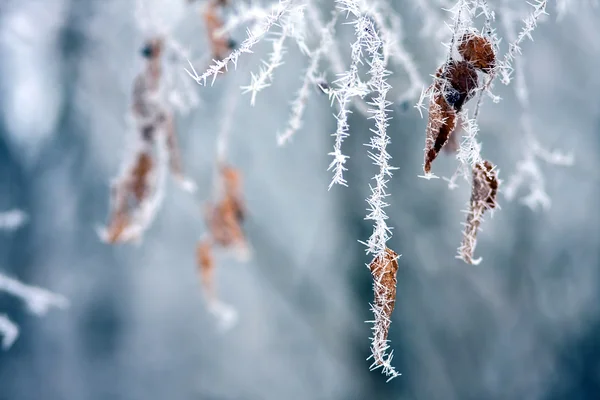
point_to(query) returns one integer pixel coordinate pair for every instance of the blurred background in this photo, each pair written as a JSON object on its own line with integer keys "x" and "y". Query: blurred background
{"x": 524, "y": 324}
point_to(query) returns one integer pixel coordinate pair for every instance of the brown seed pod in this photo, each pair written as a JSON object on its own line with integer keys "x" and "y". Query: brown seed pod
{"x": 383, "y": 268}
{"x": 461, "y": 82}
{"x": 478, "y": 51}
{"x": 483, "y": 197}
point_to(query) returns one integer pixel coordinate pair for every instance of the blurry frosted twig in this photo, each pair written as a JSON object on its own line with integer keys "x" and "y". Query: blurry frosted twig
{"x": 527, "y": 169}
{"x": 243, "y": 14}
{"x": 246, "y": 47}
{"x": 180, "y": 92}
{"x": 38, "y": 300}
{"x": 9, "y": 331}
{"x": 299, "y": 103}
{"x": 12, "y": 219}
{"x": 433, "y": 25}
{"x": 229, "y": 108}
{"x": 226, "y": 315}
{"x": 564, "y": 7}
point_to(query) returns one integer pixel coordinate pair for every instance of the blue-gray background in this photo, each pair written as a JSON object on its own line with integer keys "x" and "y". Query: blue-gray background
{"x": 522, "y": 325}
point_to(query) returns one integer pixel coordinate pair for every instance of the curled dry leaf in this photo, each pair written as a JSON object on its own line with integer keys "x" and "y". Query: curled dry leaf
{"x": 454, "y": 86}
{"x": 224, "y": 221}
{"x": 383, "y": 268}
{"x": 129, "y": 193}
{"x": 483, "y": 197}
{"x": 154, "y": 121}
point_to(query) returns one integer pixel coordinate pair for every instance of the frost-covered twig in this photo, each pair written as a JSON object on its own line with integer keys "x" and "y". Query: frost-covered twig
{"x": 349, "y": 85}
{"x": 384, "y": 265}
{"x": 262, "y": 80}
{"x": 299, "y": 103}
{"x": 38, "y": 300}
{"x": 9, "y": 331}
{"x": 253, "y": 38}
{"x": 291, "y": 25}
{"x": 12, "y": 219}
{"x": 505, "y": 67}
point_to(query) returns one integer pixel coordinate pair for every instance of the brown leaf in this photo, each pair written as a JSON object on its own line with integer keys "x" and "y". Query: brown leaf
{"x": 383, "y": 268}
{"x": 206, "y": 265}
{"x": 483, "y": 197}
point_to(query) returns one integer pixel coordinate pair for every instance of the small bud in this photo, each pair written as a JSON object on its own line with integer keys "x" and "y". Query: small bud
{"x": 478, "y": 51}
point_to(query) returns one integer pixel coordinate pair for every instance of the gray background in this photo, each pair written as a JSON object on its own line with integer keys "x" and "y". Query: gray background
{"x": 522, "y": 325}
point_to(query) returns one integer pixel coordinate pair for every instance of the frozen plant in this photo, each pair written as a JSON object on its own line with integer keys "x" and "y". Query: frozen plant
{"x": 360, "y": 77}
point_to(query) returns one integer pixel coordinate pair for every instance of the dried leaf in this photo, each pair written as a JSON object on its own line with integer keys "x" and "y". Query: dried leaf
{"x": 206, "y": 265}
{"x": 483, "y": 197}
{"x": 383, "y": 268}
{"x": 139, "y": 176}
